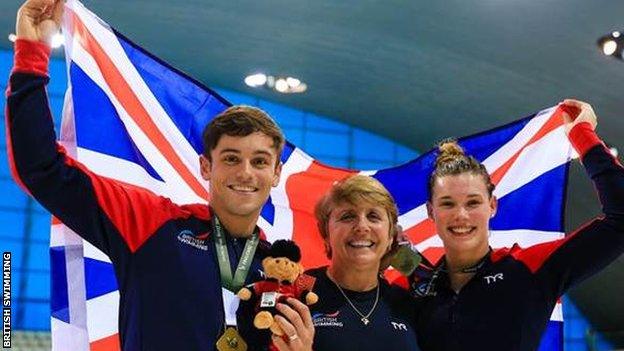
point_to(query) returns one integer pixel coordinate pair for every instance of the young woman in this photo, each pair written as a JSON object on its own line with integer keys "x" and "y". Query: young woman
{"x": 483, "y": 299}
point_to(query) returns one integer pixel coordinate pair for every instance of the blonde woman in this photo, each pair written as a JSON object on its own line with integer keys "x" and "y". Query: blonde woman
{"x": 357, "y": 308}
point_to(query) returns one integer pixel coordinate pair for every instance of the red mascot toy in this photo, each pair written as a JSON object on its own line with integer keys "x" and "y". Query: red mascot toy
{"x": 284, "y": 279}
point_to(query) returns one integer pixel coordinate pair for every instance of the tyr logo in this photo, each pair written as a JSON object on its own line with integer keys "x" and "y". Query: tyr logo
{"x": 493, "y": 278}
{"x": 399, "y": 326}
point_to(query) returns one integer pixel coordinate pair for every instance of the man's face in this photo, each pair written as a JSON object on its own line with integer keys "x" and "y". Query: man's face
{"x": 241, "y": 174}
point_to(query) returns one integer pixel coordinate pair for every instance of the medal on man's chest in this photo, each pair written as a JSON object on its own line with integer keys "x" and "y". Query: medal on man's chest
{"x": 231, "y": 341}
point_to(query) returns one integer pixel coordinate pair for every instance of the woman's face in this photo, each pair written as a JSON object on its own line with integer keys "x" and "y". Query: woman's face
{"x": 358, "y": 235}
{"x": 461, "y": 209}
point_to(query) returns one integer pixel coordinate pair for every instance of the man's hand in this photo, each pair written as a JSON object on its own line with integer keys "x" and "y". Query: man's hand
{"x": 39, "y": 20}
{"x": 585, "y": 114}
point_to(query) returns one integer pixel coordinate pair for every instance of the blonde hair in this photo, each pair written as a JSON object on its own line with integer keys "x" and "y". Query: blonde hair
{"x": 452, "y": 160}
{"x": 355, "y": 189}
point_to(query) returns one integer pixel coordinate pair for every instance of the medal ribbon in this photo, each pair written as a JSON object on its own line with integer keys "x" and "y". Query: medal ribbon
{"x": 234, "y": 284}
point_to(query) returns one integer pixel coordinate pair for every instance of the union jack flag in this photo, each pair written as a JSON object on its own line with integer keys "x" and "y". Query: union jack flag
{"x": 129, "y": 116}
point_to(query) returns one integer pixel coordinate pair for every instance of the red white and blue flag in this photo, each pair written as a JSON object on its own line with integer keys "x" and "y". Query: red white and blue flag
{"x": 131, "y": 117}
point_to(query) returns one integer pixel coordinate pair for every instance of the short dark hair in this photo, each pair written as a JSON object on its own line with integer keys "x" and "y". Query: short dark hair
{"x": 242, "y": 120}
{"x": 452, "y": 160}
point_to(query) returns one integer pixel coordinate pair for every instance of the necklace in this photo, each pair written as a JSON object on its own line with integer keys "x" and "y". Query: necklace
{"x": 365, "y": 318}
{"x": 470, "y": 269}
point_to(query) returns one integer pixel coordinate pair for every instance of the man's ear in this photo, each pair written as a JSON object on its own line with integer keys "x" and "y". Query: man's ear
{"x": 205, "y": 167}
{"x": 276, "y": 176}
{"x": 430, "y": 211}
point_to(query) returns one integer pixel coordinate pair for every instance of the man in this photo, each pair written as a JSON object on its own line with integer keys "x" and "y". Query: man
{"x": 171, "y": 261}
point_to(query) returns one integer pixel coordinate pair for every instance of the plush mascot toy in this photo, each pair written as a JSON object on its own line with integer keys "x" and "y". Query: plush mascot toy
{"x": 284, "y": 279}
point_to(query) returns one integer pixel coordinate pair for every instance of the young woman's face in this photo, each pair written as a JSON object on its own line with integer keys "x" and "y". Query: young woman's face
{"x": 461, "y": 209}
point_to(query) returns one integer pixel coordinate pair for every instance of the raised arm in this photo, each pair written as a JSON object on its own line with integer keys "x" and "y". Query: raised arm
{"x": 564, "y": 263}
{"x": 117, "y": 218}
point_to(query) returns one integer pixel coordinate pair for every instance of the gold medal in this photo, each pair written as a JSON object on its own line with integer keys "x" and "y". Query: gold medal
{"x": 405, "y": 260}
{"x": 231, "y": 341}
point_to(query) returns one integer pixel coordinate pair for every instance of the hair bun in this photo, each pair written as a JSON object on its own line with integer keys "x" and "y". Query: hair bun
{"x": 448, "y": 150}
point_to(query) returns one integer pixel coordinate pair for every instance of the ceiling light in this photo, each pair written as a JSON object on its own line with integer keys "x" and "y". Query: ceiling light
{"x": 293, "y": 82}
{"x": 609, "y": 47}
{"x": 612, "y": 44}
{"x": 256, "y": 80}
{"x": 299, "y": 88}
{"x": 281, "y": 85}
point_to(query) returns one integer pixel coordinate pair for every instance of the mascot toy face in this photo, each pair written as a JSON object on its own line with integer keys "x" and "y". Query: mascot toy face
{"x": 281, "y": 269}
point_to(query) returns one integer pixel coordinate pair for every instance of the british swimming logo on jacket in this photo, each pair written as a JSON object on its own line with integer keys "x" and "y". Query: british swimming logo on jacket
{"x": 199, "y": 242}
{"x": 327, "y": 320}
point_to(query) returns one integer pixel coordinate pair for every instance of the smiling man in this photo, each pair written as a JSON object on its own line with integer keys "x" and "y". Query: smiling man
{"x": 177, "y": 267}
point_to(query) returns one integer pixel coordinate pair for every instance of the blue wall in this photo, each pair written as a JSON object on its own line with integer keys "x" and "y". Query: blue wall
{"x": 578, "y": 333}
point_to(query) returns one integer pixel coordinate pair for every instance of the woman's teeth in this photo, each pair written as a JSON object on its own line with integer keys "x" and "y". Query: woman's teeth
{"x": 361, "y": 243}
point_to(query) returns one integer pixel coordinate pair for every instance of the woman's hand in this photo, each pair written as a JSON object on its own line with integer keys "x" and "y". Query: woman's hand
{"x": 297, "y": 326}
{"x": 585, "y": 114}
